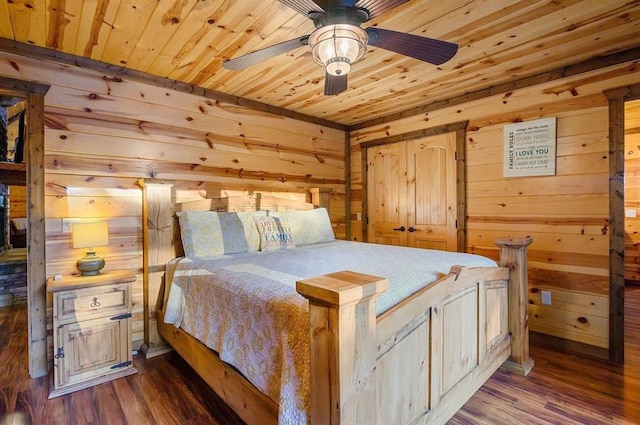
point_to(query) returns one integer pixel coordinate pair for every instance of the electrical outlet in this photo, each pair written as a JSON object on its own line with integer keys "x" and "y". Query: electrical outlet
{"x": 546, "y": 297}
{"x": 630, "y": 212}
{"x": 67, "y": 222}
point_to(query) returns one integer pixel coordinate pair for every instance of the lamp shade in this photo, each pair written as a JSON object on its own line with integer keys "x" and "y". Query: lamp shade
{"x": 90, "y": 234}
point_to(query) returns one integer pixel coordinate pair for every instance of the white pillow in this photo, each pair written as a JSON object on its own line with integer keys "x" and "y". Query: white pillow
{"x": 308, "y": 226}
{"x": 206, "y": 233}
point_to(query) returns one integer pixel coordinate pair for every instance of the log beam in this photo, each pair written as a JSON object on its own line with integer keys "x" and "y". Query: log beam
{"x": 157, "y": 219}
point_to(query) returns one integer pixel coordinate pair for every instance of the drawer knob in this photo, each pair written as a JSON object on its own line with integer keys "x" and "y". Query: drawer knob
{"x": 95, "y": 303}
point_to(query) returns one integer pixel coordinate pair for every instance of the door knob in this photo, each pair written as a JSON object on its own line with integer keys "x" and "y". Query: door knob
{"x": 402, "y": 228}
{"x": 411, "y": 230}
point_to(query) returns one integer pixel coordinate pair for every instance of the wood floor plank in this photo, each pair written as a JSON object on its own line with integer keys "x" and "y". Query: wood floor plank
{"x": 132, "y": 401}
{"x": 82, "y": 409}
{"x": 562, "y": 388}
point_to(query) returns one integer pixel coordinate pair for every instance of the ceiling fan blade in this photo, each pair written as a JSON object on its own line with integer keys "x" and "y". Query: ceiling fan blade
{"x": 334, "y": 84}
{"x": 258, "y": 56}
{"x": 378, "y": 7}
{"x": 423, "y": 48}
{"x": 303, "y": 7}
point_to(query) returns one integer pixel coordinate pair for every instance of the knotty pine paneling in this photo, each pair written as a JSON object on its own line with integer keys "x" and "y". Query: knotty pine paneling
{"x": 188, "y": 40}
{"x": 632, "y": 190}
{"x": 17, "y": 201}
{"x": 567, "y": 215}
{"x": 102, "y": 134}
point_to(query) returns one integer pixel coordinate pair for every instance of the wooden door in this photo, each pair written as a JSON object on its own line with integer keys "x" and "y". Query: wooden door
{"x": 431, "y": 192}
{"x": 386, "y": 192}
{"x": 411, "y": 193}
{"x": 91, "y": 349}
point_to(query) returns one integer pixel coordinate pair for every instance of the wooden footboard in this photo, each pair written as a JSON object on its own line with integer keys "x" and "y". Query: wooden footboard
{"x": 423, "y": 359}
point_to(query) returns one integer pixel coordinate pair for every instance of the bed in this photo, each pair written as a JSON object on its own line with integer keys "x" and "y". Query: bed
{"x": 371, "y": 357}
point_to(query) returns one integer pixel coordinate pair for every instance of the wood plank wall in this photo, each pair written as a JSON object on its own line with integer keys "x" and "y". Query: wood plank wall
{"x": 632, "y": 190}
{"x": 103, "y": 134}
{"x": 566, "y": 214}
{"x": 17, "y": 201}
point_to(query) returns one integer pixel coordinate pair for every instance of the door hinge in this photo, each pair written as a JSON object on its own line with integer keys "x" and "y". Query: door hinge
{"x": 121, "y": 316}
{"x": 123, "y": 364}
{"x": 456, "y": 224}
{"x": 455, "y": 155}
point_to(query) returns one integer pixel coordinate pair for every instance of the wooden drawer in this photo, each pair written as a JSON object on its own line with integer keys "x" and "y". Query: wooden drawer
{"x": 92, "y": 303}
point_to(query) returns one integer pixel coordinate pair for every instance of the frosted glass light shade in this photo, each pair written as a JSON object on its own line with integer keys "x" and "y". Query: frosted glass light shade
{"x": 89, "y": 235}
{"x": 336, "y": 47}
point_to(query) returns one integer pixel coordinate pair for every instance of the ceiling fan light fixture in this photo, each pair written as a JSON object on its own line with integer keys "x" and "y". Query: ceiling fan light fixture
{"x": 338, "y": 46}
{"x": 338, "y": 66}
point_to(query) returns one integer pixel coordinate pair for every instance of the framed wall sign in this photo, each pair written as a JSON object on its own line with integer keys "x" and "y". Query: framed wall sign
{"x": 530, "y": 148}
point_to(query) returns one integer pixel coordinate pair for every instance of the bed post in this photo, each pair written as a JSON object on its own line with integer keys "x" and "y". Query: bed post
{"x": 342, "y": 327}
{"x": 513, "y": 254}
{"x": 320, "y": 197}
{"x": 157, "y": 223}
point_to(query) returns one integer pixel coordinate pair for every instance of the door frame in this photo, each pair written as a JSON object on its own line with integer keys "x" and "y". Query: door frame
{"x": 617, "y": 97}
{"x": 460, "y": 128}
{"x": 34, "y": 94}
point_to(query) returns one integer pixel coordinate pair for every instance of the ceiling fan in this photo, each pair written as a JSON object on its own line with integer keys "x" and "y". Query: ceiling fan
{"x": 339, "y": 41}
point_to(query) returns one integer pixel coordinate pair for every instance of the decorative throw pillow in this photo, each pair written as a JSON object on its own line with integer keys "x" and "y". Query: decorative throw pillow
{"x": 275, "y": 233}
{"x": 308, "y": 226}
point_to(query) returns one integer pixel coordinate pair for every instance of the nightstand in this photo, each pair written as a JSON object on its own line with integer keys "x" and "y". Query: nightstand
{"x": 91, "y": 330}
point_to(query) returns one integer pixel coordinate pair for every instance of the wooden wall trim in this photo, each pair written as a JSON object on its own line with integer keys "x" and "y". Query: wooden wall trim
{"x": 36, "y": 52}
{"x": 616, "y": 230}
{"x": 347, "y": 185}
{"x": 21, "y": 88}
{"x": 557, "y": 74}
{"x": 36, "y": 269}
{"x": 365, "y": 202}
{"x": 418, "y": 134}
{"x": 461, "y": 188}
{"x": 616, "y": 98}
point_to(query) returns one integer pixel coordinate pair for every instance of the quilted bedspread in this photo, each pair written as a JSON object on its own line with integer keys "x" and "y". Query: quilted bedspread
{"x": 245, "y": 306}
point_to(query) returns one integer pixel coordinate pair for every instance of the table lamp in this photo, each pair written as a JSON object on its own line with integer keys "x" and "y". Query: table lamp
{"x": 89, "y": 235}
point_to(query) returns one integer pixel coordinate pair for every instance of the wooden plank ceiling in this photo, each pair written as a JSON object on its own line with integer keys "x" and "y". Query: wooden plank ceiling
{"x": 188, "y": 40}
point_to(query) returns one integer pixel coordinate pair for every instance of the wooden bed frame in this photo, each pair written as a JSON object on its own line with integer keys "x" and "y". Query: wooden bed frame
{"x": 417, "y": 363}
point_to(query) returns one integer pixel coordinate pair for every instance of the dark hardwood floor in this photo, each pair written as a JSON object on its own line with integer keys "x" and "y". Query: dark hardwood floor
{"x": 561, "y": 389}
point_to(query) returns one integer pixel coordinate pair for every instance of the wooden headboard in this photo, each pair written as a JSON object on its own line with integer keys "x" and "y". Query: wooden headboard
{"x": 162, "y": 240}
{"x": 250, "y": 202}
